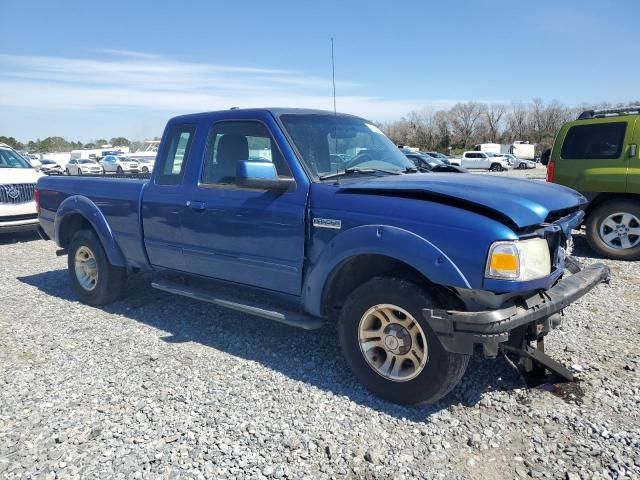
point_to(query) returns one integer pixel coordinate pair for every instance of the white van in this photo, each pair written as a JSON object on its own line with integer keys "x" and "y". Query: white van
{"x": 17, "y": 186}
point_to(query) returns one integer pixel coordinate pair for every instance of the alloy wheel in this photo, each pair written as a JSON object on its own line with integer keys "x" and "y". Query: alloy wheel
{"x": 620, "y": 231}
{"x": 86, "y": 268}
{"x": 392, "y": 342}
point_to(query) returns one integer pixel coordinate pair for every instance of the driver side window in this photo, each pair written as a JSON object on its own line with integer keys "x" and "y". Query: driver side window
{"x": 232, "y": 141}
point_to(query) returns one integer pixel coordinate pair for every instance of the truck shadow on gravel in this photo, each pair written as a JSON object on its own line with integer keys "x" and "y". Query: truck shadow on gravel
{"x": 310, "y": 357}
{"x": 8, "y": 238}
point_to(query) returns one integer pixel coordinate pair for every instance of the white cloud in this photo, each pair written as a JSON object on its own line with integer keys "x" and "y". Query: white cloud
{"x": 121, "y": 78}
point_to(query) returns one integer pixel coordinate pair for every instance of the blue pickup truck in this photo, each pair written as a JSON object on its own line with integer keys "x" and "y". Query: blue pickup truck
{"x": 317, "y": 217}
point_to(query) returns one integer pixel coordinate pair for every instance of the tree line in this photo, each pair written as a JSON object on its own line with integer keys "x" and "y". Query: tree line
{"x": 60, "y": 144}
{"x": 469, "y": 123}
{"x": 451, "y": 131}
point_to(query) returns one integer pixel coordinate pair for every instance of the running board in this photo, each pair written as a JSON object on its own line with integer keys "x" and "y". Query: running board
{"x": 293, "y": 319}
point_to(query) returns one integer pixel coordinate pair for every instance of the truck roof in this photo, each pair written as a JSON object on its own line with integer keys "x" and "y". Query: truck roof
{"x": 276, "y": 111}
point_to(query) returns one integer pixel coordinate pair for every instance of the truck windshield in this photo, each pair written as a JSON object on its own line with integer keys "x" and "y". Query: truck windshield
{"x": 10, "y": 159}
{"x": 340, "y": 144}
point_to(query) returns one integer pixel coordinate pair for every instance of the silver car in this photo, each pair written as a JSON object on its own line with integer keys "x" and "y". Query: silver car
{"x": 519, "y": 163}
{"x": 116, "y": 164}
{"x": 83, "y": 166}
{"x": 146, "y": 164}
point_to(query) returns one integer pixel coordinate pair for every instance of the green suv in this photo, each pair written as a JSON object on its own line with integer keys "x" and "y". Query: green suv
{"x": 597, "y": 154}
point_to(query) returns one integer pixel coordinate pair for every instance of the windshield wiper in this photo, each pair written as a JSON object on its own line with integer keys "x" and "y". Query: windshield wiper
{"x": 355, "y": 170}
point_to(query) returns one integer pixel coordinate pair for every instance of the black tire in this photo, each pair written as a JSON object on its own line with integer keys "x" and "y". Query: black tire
{"x": 598, "y": 216}
{"x": 522, "y": 166}
{"x": 66, "y": 171}
{"x": 119, "y": 170}
{"x": 111, "y": 280}
{"x": 79, "y": 171}
{"x": 495, "y": 167}
{"x": 442, "y": 371}
{"x": 145, "y": 170}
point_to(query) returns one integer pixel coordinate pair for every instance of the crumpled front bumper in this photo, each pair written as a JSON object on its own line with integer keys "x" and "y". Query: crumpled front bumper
{"x": 459, "y": 331}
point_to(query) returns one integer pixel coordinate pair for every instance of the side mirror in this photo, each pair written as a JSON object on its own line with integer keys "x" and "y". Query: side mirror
{"x": 261, "y": 175}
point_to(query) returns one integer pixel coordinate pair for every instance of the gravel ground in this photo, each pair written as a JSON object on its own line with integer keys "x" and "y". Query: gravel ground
{"x": 157, "y": 386}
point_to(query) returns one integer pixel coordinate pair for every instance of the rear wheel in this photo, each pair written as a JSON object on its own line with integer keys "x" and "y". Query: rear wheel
{"x": 94, "y": 279}
{"x": 145, "y": 170}
{"x": 613, "y": 229}
{"x": 390, "y": 348}
{"x": 66, "y": 171}
{"x": 495, "y": 167}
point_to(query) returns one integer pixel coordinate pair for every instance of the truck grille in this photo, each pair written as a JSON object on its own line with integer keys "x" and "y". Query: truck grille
{"x": 16, "y": 193}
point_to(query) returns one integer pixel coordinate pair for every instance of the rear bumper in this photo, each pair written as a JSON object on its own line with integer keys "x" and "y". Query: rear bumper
{"x": 459, "y": 331}
{"x": 15, "y": 227}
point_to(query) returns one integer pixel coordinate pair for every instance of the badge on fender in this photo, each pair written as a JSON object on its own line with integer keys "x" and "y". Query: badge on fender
{"x": 327, "y": 223}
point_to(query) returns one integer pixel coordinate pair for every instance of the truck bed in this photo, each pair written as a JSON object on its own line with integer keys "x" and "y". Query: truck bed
{"x": 117, "y": 199}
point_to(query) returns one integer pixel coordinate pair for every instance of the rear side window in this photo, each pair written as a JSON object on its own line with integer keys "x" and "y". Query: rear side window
{"x": 173, "y": 162}
{"x": 597, "y": 141}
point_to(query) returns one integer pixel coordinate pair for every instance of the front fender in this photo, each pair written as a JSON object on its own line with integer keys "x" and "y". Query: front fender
{"x": 394, "y": 242}
{"x": 80, "y": 205}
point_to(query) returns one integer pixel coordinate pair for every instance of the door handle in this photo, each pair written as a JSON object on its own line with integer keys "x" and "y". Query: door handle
{"x": 197, "y": 206}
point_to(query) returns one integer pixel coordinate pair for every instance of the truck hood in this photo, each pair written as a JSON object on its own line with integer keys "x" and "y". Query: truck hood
{"x": 523, "y": 203}
{"x": 19, "y": 175}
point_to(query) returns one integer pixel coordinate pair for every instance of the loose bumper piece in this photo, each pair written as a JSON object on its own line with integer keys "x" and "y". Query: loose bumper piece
{"x": 459, "y": 331}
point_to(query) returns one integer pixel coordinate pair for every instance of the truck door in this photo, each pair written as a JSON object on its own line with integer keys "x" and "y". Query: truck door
{"x": 470, "y": 160}
{"x": 245, "y": 235}
{"x": 633, "y": 173}
{"x": 165, "y": 197}
{"x": 484, "y": 160}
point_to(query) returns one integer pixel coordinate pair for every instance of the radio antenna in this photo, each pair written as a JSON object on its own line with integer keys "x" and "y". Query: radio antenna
{"x": 335, "y": 111}
{"x": 333, "y": 78}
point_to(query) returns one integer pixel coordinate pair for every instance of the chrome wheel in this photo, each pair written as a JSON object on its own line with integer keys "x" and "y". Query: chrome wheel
{"x": 86, "y": 267}
{"x": 392, "y": 342}
{"x": 620, "y": 231}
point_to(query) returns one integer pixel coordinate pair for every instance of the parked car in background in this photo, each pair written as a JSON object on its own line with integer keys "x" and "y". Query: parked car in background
{"x": 416, "y": 269}
{"x": 118, "y": 164}
{"x": 146, "y": 164}
{"x": 49, "y": 167}
{"x": 474, "y": 160}
{"x": 440, "y": 156}
{"x": 83, "y": 166}
{"x": 425, "y": 162}
{"x": 598, "y": 155}
{"x": 519, "y": 163}
{"x": 17, "y": 185}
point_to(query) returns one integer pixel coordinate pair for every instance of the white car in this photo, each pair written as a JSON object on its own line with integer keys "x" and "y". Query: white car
{"x": 17, "y": 186}
{"x": 519, "y": 163}
{"x": 83, "y": 166}
{"x": 475, "y": 160}
{"x": 146, "y": 164}
{"x": 117, "y": 164}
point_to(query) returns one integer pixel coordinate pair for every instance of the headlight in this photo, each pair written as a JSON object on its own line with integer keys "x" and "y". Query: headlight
{"x": 519, "y": 260}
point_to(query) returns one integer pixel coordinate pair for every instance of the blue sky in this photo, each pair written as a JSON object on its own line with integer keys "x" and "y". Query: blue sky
{"x": 86, "y": 69}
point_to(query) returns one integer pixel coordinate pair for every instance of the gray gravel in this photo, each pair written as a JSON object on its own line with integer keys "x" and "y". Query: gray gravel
{"x": 157, "y": 386}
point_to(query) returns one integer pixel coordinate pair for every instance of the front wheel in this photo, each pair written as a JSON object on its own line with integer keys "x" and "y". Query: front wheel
{"x": 94, "y": 279}
{"x": 613, "y": 229}
{"x": 495, "y": 167}
{"x": 119, "y": 170}
{"x": 389, "y": 346}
